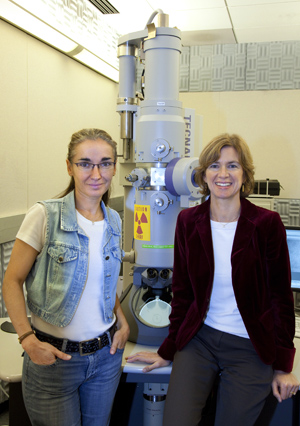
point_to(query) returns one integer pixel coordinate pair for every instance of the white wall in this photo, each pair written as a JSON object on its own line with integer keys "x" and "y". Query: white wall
{"x": 269, "y": 121}
{"x": 45, "y": 97}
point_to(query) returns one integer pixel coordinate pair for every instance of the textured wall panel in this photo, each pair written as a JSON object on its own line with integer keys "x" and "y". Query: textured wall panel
{"x": 289, "y": 211}
{"x": 184, "y": 74}
{"x": 272, "y": 66}
{"x": 5, "y": 252}
{"x": 257, "y": 70}
{"x": 1, "y": 282}
{"x": 218, "y": 67}
{"x": 253, "y": 66}
{"x": 201, "y": 69}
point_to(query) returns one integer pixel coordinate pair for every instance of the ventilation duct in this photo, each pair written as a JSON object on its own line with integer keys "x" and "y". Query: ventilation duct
{"x": 104, "y": 6}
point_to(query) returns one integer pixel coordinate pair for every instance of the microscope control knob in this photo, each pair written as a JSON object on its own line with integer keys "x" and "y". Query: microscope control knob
{"x": 160, "y": 148}
{"x": 131, "y": 178}
{"x": 159, "y": 202}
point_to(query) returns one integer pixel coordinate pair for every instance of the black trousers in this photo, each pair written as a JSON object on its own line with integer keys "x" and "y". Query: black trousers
{"x": 244, "y": 380}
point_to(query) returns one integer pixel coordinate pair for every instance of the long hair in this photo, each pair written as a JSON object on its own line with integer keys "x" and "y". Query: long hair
{"x": 79, "y": 137}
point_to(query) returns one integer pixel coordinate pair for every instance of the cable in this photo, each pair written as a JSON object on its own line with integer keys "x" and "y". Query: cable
{"x": 157, "y": 11}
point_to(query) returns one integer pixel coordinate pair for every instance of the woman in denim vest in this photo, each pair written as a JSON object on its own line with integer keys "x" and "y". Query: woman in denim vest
{"x": 68, "y": 250}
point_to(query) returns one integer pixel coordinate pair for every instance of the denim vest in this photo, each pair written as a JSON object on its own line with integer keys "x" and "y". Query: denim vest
{"x": 57, "y": 279}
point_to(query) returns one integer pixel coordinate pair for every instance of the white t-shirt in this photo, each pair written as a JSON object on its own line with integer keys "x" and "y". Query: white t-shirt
{"x": 87, "y": 321}
{"x": 223, "y": 313}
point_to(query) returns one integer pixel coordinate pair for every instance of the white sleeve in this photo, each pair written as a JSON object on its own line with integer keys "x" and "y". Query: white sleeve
{"x": 33, "y": 227}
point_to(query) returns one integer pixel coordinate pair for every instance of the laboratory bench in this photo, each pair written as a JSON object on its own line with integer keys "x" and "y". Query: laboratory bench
{"x": 128, "y": 406}
{"x": 131, "y": 390}
{"x": 11, "y": 362}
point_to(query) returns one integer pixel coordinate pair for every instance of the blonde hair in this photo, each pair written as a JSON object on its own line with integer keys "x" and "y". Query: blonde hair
{"x": 212, "y": 152}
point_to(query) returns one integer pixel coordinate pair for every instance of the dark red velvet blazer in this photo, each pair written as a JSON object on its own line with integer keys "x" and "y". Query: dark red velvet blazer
{"x": 260, "y": 275}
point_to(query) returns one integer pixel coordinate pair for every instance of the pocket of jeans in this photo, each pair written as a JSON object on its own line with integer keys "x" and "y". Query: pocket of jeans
{"x": 54, "y": 364}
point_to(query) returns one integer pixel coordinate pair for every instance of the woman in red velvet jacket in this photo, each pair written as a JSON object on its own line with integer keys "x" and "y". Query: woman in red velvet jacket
{"x": 232, "y": 308}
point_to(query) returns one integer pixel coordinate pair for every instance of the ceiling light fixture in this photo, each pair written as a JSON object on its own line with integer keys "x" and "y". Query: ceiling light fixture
{"x": 76, "y": 42}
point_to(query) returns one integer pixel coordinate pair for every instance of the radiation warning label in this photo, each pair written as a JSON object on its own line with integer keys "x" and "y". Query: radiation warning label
{"x": 142, "y": 230}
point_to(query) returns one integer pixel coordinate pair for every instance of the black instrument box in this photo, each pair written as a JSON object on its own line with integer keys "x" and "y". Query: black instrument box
{"x": 267, "y": 187}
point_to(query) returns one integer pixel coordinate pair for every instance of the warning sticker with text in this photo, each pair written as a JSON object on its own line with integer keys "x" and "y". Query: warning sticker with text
{"x": 142, "y": 230}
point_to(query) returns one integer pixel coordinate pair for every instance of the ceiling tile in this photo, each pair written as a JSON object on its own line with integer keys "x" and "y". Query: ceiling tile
{"x": 256, "y": 2}
{"x": 126, "y": 21}
{"x": 278, "y": 14}
{"x": 206, "y": 19}
{"x": 211, "y": 18}
{"x": 198, "y": 38}
{"x": 170, "y": 5}
{"x": 132, "y": 7}
{"x": 260, "y": 35}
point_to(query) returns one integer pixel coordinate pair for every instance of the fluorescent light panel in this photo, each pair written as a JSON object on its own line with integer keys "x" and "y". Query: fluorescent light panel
{"x": 97, "y": 64}
{"x": 14, "y": 12}
{"x": 27, "y": 22}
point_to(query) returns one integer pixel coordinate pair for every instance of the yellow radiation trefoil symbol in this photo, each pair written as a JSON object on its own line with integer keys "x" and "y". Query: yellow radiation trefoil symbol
{"x": 142, "y": 227}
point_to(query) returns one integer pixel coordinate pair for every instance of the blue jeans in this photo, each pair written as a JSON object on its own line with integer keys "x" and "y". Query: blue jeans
{"x": 78, "y": 392}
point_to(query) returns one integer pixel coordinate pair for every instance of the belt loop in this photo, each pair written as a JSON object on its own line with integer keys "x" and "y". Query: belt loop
{"x": 109, "y": 337}
{"x": 64, "y": 345}
{"x": 111, "y": 332}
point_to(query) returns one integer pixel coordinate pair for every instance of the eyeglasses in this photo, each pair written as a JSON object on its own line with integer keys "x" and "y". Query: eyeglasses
{"x": 84, "y": 166}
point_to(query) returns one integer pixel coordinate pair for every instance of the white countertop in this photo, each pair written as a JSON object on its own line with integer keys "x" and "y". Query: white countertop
{"x": 11, "y": 360}
{"x": 137, "y": 367}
